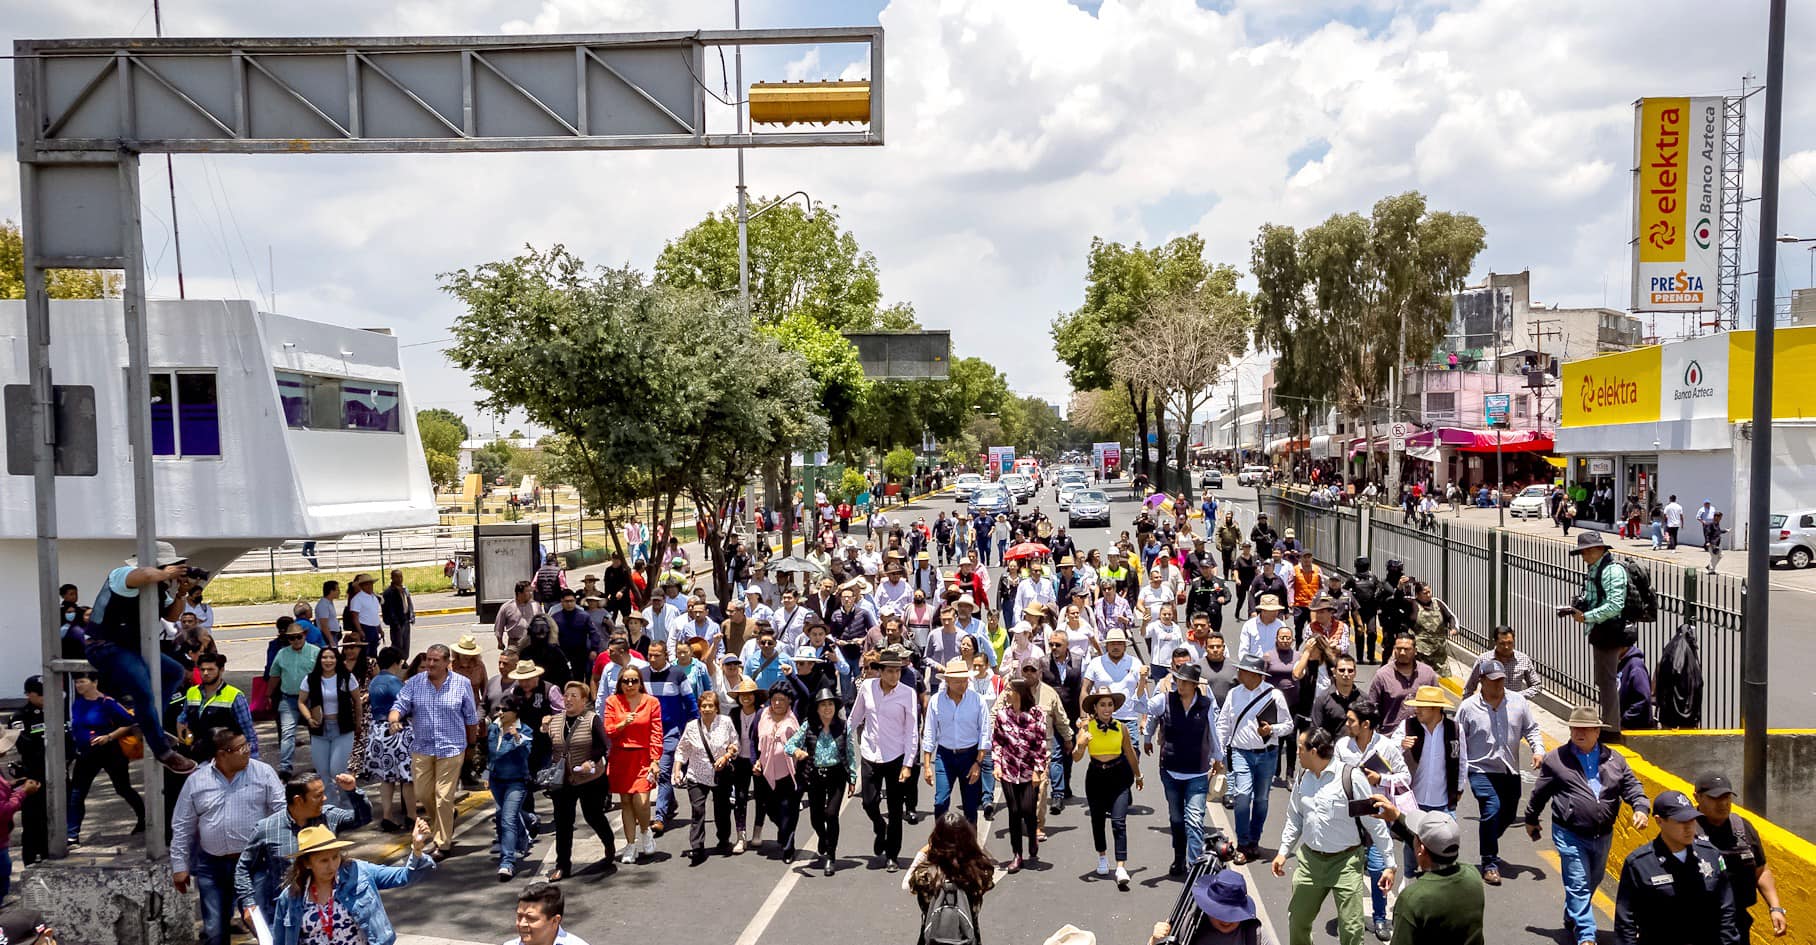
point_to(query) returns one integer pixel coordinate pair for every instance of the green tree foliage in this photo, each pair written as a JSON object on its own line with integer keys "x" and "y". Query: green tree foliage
{"x": 59, "y": 283}
{"x": 852, "y": 484}
{"x": 1335, "y": 300}
{"x": 898, "y": 463}
{"x": 1100, "y": 416}
{"x": 441, "y": 432}
{"x": 492, "y": 460}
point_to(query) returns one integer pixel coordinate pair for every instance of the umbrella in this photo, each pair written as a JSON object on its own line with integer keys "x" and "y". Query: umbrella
{"x": 795, "y": 564}
{"x": 1156, "y": 499}
{"x": 1027, "y": 549}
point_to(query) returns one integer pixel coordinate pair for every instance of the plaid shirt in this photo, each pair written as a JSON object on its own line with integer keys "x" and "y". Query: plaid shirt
{"x": 438, "y": 717}
{"x": 260, "y": 872}
{"x": 1522, "y": 675}
{"x": 218, "y": 817}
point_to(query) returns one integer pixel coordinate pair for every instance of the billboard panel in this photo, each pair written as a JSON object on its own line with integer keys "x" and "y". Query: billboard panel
{"x": 1677, "y": 199}
{"x": 1002, "y": 459}
{"x": 1614, "y": 388}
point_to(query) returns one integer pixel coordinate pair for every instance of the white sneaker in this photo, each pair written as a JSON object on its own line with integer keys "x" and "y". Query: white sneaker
{"x": 1103, "y": 866}
{"x": 1122, "y": 877}
{"x": 738, "y": 847}
{"x": 649, "y": 843}
{"x": 630, "y": 850}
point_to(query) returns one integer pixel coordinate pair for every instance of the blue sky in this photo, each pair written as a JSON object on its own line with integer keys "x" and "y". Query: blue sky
{"x": 1018, "y": 130}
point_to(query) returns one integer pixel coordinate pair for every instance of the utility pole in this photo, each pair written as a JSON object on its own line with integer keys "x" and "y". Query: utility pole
{"x": 1393, "y": 413}
{"x": 1755, "y": 658}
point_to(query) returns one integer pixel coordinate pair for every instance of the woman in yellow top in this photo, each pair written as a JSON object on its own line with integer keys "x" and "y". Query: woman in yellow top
{"x": 1115, "y": 765}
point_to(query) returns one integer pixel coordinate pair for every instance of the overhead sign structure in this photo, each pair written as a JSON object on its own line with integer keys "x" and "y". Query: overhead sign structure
{"x": 1677, "y": 204}
{"x": 1002, "y": 459}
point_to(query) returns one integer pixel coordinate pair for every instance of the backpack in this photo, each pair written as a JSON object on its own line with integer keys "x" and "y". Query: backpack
{"x": 1678, "y": 685}
{"x": 548, "y": 585}
{"x": 1642, "y": 603}
{"x": 949, "y": 920}
{"x": 1349, "y": 794}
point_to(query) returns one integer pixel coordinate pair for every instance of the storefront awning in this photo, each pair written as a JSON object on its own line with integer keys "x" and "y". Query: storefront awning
{"x": 1320, "y": 447}
{"x": 1287, "y": 444}
{"x": 1508, "y": 441}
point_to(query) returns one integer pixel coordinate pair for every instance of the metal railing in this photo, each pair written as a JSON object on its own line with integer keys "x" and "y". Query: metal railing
{"x": 1491, "y": 576}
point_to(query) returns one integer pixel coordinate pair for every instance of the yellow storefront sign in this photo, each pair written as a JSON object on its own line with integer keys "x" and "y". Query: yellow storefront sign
{"x": 1614, "y": 388}
{"x": 1794, "y": 356}
{"x": 1664, "y": 133}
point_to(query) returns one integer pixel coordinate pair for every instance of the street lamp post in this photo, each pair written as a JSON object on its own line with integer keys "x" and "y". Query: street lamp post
{"x": 1787, "y": 238}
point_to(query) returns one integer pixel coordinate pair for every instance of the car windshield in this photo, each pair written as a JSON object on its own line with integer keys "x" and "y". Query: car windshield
{"x": 1533, "y": 491}
{"x": 989, "y": 492}
{"x": 1091, "y": 497}
{"x": 971, "y": 477}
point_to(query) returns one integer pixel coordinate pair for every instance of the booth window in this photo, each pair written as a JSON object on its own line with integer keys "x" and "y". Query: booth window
{"x": 185, "y": 414}
{"x": 312, "y": 402}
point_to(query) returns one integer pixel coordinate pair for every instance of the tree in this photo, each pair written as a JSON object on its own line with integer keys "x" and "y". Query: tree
{"x": 898, "y": 464}
{"x": 1179, "y": 351}
{"x": 441, "y": 439}
{"x": 1351, "y": 300}
{"x": 1120, "y": 283}
{"x": 1100, "y": 415}
{"x": 851, "y": 485}
{"x": 58, "y": 283}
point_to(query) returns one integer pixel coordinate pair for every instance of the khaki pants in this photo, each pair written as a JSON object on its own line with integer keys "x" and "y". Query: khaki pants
{"x": 1320, "y": 874}
{"x": 436, "y": 779}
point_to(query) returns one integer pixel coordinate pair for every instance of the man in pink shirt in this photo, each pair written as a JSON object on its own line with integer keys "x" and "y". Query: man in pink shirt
{"x": 885, "y": 717}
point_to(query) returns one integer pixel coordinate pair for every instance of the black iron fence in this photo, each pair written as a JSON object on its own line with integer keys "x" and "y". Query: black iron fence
{"x": 1490, "y": 577}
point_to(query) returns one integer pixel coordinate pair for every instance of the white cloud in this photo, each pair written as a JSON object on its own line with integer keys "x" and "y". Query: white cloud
{"x": 1018, "y": 130}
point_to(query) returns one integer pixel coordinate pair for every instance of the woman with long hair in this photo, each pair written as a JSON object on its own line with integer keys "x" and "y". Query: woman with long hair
{"x": 823, "y": 753}
{"x": 331, "y": 711}
{"x": 777, "y": 788}
{"x": 98, "y": 725}
{"x": 703, "y": 763}
{"x": 577, "y": 740}
{"x": 633, "y": 722}
{"x": 1115, "y": 765}
{"x": 951, "y": 862}
{"x": 1018, "y": 753}
{"x": 328, "y": 899}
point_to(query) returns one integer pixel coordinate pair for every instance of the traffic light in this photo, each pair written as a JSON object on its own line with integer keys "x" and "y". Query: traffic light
{"x": 787, "y": 103}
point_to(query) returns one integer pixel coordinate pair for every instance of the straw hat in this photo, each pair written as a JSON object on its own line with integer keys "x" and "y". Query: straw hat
{"x": 317, "y": 839}
{"x": 1432, "y": 697}
{"x": 526, "y": 670}
{"x": 1269, "y": 602}
{"x": 745, "y": 685}
{"x": 1585, "y": 716}
{"x": 1116, "y": 700}
{"x": 467, "y": 645}
{"x": 166, "y": 556}
{"x": 1115, "y": 636}
{"x": 956, "y": 669}
{"x": 1071, "y": 935}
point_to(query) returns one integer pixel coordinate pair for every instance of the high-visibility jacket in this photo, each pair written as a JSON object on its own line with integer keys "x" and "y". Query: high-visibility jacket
{"x": 1306, "y": 581}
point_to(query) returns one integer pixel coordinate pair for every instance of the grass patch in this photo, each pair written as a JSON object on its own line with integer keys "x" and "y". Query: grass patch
{"x": 256, "y": 588}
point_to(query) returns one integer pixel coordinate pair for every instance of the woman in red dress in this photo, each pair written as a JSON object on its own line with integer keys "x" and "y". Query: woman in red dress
{"x": 633, "y": 723}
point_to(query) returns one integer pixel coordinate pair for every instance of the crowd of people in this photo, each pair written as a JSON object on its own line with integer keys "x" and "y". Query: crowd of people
{"x": 875, "y": 672}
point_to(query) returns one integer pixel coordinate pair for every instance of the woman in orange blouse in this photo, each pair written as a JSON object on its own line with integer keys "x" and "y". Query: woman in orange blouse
{"x": 633, "y": 723}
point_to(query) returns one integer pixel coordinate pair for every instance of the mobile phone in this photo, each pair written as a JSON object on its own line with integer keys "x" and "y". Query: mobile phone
{"x": 1362, "y": 808}
{"x": 1565, "y": 610}
{"x": 422, "y": 811}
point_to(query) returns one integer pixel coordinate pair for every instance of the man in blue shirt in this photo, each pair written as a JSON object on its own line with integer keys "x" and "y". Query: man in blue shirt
{"x": 113, "y": 644}
{"x": 956, "y": 741}
{"x": 669, "y": 684}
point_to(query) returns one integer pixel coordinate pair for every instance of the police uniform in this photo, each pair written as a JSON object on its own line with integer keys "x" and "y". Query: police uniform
{"x": 1663, "y": 900}
{"x": 204, "y": 714}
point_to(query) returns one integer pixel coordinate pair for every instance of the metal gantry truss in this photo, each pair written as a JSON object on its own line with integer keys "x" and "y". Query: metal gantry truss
{"x": 1733, "y": 168}
{"x": 85, "y": 109}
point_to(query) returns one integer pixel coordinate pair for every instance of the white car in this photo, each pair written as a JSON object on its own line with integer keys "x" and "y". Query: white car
{"x": 965, "y": 485}
{"x": 1530, "y": 503}
{"x": 1020, "y": 486}
{"x": 1069, "y": 488}
{"x": 1252, "y": 475}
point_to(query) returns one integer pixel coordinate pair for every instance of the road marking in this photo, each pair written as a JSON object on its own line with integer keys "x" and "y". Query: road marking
{"x": 1602, "y": 902}
{"x": 1222, "y": 819}
{"x": 759, "y": 923}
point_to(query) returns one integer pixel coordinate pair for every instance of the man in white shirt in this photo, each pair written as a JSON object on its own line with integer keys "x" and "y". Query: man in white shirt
{"x": 1250, "y": 725}
{"x": 1261, "y": 630}
{"x": 1379, "y": 758}
{"x": 1674, "y": 521}
{"x": 884, "y": 721}
{"x": 790, "y": 622}
{"x": 1433, "y": 746}
{"x": 1330, "y": 841}
{"x": 667, "y": 611}
{"x": 894, "y": 593}
{"x": 1117, "y": 670}
{"x": 1037, "y": 588}
{"x": 1163, "y": 634}
{"x": 370, "y": 611}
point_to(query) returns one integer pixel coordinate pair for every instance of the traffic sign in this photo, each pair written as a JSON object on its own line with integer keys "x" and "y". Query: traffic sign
{"x": 1396, "y": 434}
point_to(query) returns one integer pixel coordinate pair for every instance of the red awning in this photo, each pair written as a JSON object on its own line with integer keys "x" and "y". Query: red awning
{"x": 1510, "y": 441}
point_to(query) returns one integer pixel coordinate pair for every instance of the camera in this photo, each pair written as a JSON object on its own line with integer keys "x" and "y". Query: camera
{"x": 196, "y": 575}
{"x": 1186, "y": 916}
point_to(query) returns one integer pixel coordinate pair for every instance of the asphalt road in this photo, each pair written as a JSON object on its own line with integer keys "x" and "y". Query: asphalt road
{"x": 755, "y": 898}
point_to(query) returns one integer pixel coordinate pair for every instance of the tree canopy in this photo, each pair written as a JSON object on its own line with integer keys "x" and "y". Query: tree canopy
{"x": 58, "y": 283}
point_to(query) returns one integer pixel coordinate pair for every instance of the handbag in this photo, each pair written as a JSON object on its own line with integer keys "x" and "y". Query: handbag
{"x": 551, "y": 776}
{"x": 1219, "y": 786}
{"x": 132, "y": 745}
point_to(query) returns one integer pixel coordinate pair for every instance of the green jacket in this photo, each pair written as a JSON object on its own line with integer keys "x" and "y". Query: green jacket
{"x": 1442, "y": 907}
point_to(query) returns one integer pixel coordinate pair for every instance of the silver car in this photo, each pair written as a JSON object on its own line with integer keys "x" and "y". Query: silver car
{"x": 1089, "y": 507}
{"x": 1022, "y": 487}
{"x": 965, "y": 485}
{"x": 1795, "y": 540}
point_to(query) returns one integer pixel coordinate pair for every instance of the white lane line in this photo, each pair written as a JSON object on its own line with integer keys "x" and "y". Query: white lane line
{"x": 759, "y": 923}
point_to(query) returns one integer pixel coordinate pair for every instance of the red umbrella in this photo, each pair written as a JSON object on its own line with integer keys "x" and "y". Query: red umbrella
{"x": 1027, "y": 549}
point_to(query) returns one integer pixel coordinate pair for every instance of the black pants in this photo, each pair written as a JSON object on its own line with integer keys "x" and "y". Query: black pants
{"x": 35, "y": 845}
{"x": 1229, "y": 562}
{"x": 591, "y": 798}
{"x": 737, "y": 774}
{"x": 108, "y": 758}
{"x": 1671, "y": 537}
{"x": 1365, "y": 639}
{"x": 824, "y": 790}
{"x": 882, "y": 779}
{"x": 696, "y": 800}
{"x": 1023, "y": 801}
{"x": 1107, "y": 791}
{"x": 1301, "y": 616}
{"x": 782, "y": 802}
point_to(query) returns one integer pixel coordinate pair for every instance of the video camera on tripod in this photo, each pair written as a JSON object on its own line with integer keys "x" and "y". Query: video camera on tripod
{"x": 1184, "y": 922}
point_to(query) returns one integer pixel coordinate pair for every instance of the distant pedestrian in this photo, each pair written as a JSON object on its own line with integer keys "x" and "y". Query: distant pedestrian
{"x": 399, "y": 609}
{"x": 1713, "y": 533}
{"x": 1674, "y": 522}
{"x": 327, "y": 612}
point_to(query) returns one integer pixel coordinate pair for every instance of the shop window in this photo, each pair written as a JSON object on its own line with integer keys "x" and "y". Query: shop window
{"x": 185, "y": 414}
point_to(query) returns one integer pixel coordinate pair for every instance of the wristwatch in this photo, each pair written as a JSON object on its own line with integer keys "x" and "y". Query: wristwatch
{"x": 1779, "y": 910}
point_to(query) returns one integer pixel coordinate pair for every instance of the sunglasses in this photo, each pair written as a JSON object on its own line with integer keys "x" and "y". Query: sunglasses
{"x": 632, "y": 681}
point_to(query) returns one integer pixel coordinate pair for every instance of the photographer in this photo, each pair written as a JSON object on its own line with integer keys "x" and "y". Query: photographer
{"x": 113, "y": 643}
{"x": 1223, "y": 900}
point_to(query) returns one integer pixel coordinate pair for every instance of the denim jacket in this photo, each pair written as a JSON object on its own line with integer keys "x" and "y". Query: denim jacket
{"x": 356, "y": 888}
{"x": 510, "y": 757}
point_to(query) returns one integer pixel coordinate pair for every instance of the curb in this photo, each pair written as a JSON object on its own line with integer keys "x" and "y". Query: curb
{"x": 439, "y": 611}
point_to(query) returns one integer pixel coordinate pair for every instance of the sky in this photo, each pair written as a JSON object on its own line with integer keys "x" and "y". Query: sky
{"x": 1017, "y": 130}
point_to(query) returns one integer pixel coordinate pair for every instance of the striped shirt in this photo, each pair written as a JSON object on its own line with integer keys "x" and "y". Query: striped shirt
{"x": 438, "y": 716}
{"x": 216, "y": 816}
{"x": 1522, "y": 675}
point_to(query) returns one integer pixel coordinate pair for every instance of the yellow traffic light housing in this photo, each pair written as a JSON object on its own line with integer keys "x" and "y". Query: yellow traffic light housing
{"x": 787, "y": 103}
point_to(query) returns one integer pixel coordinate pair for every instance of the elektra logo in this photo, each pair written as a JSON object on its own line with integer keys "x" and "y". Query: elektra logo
{"x": 1609, "y": 392}
{"x": 1691, "y": 388}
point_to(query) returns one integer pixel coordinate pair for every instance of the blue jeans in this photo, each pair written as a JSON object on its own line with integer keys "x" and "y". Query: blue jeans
{"x": 665, "y": 787}
{"x": 1002, "y": 548}
{"x": 125, "y": 676}
{"x": 958, "y": 763}
{"x": 1499, "y": 797}
{"x": 1377, "y": 864}
{"x": 331, "y": 750}
{"x": 1584, "y": 860}
{"x": 214, "y": 885}
{"x": 1185, "y": 812}
{"x": 6, "y": 872}
{"x": 987, "y": 778}
{"x": 288, "y": 717}
{"x": 1251, "y": 777}
{"x": 1058, "y": 768}
{"x": 513, "y": 835}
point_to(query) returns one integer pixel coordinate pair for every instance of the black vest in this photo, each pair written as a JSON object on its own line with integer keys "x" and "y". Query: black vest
{"x": 1183, "y": 750}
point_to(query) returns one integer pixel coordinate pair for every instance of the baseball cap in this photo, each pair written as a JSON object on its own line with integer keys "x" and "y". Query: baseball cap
{"x": 1492, "y": 669}
{"x": 1438, "y": 831}
{"x": 1673, "y": 805}
{"x": 1714, "y": 785}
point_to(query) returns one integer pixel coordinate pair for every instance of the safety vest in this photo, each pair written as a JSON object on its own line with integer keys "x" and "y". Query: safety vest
{"x": 1305, "y": 586}
{"x": 204, "y": 714}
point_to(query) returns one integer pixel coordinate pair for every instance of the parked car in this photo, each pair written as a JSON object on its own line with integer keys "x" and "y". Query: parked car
{"x": 991, "y": 499}
{"x": 1210, "y": 479}
{"x": 1253, "y": 475}
{"x": 965, "y": 485}
{"x": 1022, "y": 487}
{"x": 1795, "y": 542}
{"x": 1088, "y": 507}
{"x": 1530, "y": 503}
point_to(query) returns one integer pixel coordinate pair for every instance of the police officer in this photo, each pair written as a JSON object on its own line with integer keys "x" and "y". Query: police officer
{"x": 1675, "y": 890}
{"x": 1742, "y": 852}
